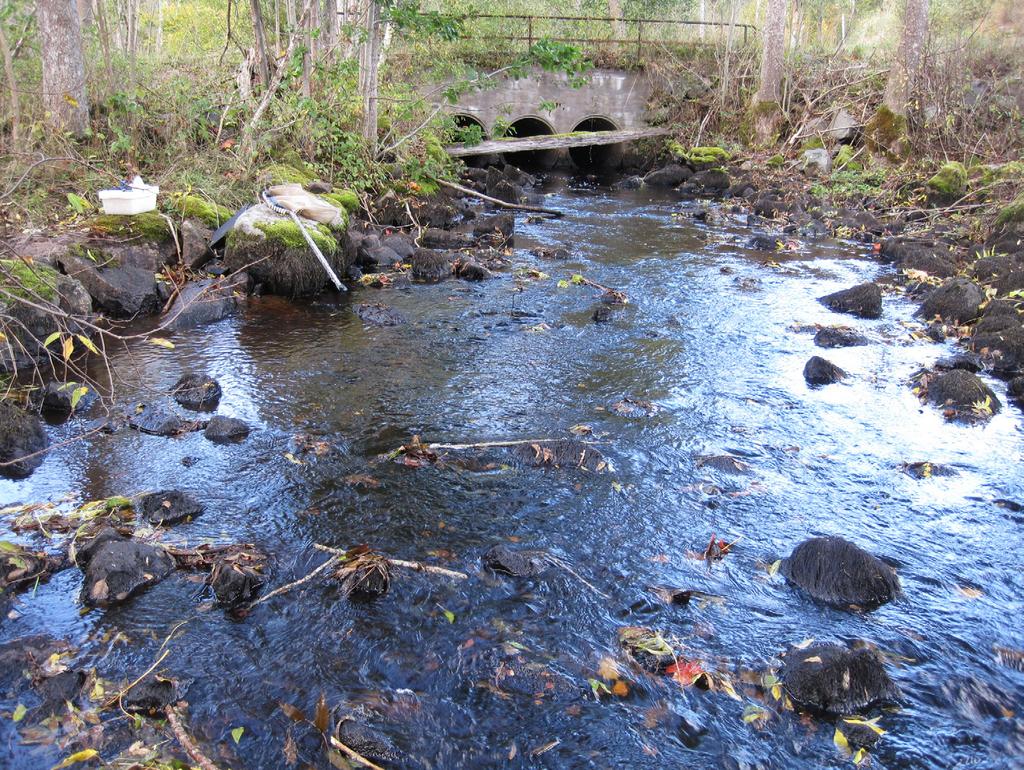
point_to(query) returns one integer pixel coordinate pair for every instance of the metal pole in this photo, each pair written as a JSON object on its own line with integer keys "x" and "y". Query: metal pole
{"x": 639, "y": 36}
{"x": 529, "y": 23}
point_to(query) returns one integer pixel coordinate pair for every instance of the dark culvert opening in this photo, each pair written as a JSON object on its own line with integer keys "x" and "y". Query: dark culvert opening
{"x": 531, "y": 160}
{"x": 599, "y": 157}
{"x": 463, "y": 122}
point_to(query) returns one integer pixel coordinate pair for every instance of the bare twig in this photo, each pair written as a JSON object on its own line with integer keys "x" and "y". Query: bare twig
{"x": 296, "y": 583}
{"x": 413, "y": 565}
{"x": 497, "y": 201}
{"x": 353, "y": 754}
{"x": 174, "y": 720}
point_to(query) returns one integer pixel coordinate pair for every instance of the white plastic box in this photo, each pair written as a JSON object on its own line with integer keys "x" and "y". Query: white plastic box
{"x": 140, "y": 198}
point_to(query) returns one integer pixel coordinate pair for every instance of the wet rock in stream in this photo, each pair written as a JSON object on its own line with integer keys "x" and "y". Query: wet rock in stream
{"x": 835, "y": 680}
{"x": 223, "y": 430}
{"x": 22, "y": 441}
{"x": 116, "y": 568}
{"x": 839, "y": 337}
{"x": 55, "y": 399}
{"x": 159, "y": 421}
{"x": 471, "y": 270}
{"x": 366, "y": 741}
{"x": 835, "y": 571}
{"x": 168, "y": 507}
{"x": 237, "y": 578}
{"x": 964, "y": 394}
{"x": 150, "y": 696}
{"x": 863, "y": 300}
{"x": 430, "y": 266}
{"x": 562, "y": 453}
{"x": 518, "y": 563}
{"x": 956, "y": 301}
{"x": 819, "y": 371}
{"x": 196, "y": 391}
{"x": 379, "y": 314}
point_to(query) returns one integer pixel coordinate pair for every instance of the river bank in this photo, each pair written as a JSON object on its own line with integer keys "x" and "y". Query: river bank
{"x": 695, "y": 394}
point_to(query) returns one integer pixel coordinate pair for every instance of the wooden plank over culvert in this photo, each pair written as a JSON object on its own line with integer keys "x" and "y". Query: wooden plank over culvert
{"x": 553, "y": 141}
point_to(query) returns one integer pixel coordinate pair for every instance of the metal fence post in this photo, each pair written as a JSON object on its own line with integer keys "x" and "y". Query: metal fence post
{"x": 529, "y": 25}
{"x": 639, "y": 37}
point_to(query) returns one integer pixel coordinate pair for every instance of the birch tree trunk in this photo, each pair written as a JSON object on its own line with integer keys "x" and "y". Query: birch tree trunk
{"x": 618, "y": 26}
{"x": 64, "y": 96}
{"x": 12, "y": 87}
{"x": 260, "y": 42}
{"x": 330, "y": 30}
{"x": 903, "y": 73}
{"x": 369, "y": 73}
{"x": 773, "y": 45}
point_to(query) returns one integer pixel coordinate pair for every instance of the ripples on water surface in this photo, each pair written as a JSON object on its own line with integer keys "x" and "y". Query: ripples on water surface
{"x": 707, "y": 337}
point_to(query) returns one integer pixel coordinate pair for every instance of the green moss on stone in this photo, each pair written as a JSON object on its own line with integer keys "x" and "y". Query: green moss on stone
{"x": 708, "y": 155}
{"x": 813, "y": 143}
{"x": 100, "y": 257}
{"x": 28, "y": 281}
{"x": 1013, "y": 214}
{"x": 193, "y": 207}
{"x": 845, "y": 159}
{"x": 281, "y": 173}
{"x": 345, "y": 199}
{"x": 1004, "y": 172}
{"x": 885, "y": 133}
{"x": 288, "y": 235}
{"x": 149, "y": 226}
{"x": 951, "y": 179}
{"x": 776, "y": 161}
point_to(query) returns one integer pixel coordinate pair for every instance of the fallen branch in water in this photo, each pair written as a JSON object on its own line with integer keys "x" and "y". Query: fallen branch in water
{"x": 174, "y": 720}
{"x": 353, "y": 754}
{"x": 498, "y": 201}
{"x": 413, "y": 565}
{"x": 561, "y": 564}
{"x": 614, "y": 294}
{"x": 296, "y": 583}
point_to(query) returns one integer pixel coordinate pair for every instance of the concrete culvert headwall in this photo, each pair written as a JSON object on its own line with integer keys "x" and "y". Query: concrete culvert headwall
{"x": 531, "y": 159}
{"x": 601, "y": 157}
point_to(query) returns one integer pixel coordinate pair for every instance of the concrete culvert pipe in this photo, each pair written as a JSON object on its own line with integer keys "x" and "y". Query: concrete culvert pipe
{"x": 601, "y": 157}
{"x": 531, "y": 160}
{"x": 464, "y": 121}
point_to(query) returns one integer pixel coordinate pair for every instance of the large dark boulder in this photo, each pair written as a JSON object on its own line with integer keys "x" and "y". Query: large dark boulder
{"x": 119, "y": 568}
{"x": 119, "y": 292}
{"x": 837, "y": 572}
{"x": 863, "y": 300}
{"x": 519, "y": 562}
{"x": 500, "y": 227}
{"x": 837, "y": 681}
{"x": 55, "y": 399}
{"x": 927, "y": 256}
{"x": 430, "y": 266}
{"x": 168, "y": 507}
{"x": 203, "y": 302}
{"x": 961, "y": 391}
{"x": 956, "y": 301}
{"x": 1005, "y": 273}
{"x": 820, "y": 371}
{"x": 402, "y": 245}
{"x": 712, "y": 182}
{"x": 195, "y": 391}
{"x": 838, "y": 337}
{"x": 669, "y": 175}
{"x": 1003, "y": 348}
{"x": 150, "y": 696}
{"x": 157, "y": 421}
{"x": 21, "y": 438}
{"x": 222, "y": 430}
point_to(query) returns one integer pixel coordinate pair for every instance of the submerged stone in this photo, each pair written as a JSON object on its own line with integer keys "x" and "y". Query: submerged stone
{"x": 221, "y": 429}
{"x": 835, "y": 680}
{"x": 118, "y": 568}
{"x": 819, "y": 371}
{"x": 863, "y": 300}
{"x": 835, "y": 571}
{"x": 516, "y": 562}
{"x": 22, "y": 440}
{"x": 195, "y": 391}
{"x": 168, "y": 507}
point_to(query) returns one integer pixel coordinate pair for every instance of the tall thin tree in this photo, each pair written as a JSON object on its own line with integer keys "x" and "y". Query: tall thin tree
{"x": 907, "y": 64}
{"x": 64, "y": 93}
{"x": 765, "y": 107}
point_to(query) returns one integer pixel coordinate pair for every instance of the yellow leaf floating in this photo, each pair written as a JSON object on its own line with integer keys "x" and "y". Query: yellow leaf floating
{"x": 839, "y": 739}
{"x": 19, "y": 712}
{"x": 79, "y": 756}
{"x": 236, "y": 734}
{"x": 162, "y": 342}
{"x": 872, "y": 723}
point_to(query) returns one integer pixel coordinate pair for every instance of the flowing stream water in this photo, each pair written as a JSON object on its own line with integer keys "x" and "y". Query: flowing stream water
{"x": 712, "y": 337}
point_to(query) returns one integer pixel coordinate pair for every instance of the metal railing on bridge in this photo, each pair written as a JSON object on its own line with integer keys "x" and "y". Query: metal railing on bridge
{"x": 628, "y": 34}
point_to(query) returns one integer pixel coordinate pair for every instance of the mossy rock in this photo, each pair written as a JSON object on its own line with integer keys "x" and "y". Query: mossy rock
{"x": 950, "y": 181}
{"x": 98, "y": 256}
{"x": 344, "y": 199}
{"x": 149, "y": 226}
{"x": 273, "y": 250}
{"x": 844, "y": 159}
{"x": 813, "y": 143}
{"x": 776, "y": 161}
{"x": 295, "y": 172}
{"x": 1013, "y": 214}
{"x": 29, "y": 281}
{"x": 886, "y": 134}
{"x": 1000, "y": 172}
{"x": 702, "y": 157}
{"x": 193, "y": 207}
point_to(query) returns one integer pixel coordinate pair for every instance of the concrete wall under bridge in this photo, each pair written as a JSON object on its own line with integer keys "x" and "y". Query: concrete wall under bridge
{"x": 609, "y": 100}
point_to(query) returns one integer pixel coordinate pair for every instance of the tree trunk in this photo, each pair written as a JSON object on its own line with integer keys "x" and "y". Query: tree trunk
{"x": 330, "y": 31}
{"x": 618, "y": 26}
{"x": 773, "y": 45}
{"x": 260, "y": 42}
{"x": 64, "y": 96}
{"x": 904, "y": 70}
{"x": 12, "y": 86}
{"x": 369, "y": 72}
{"x": 726, "y": 67}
